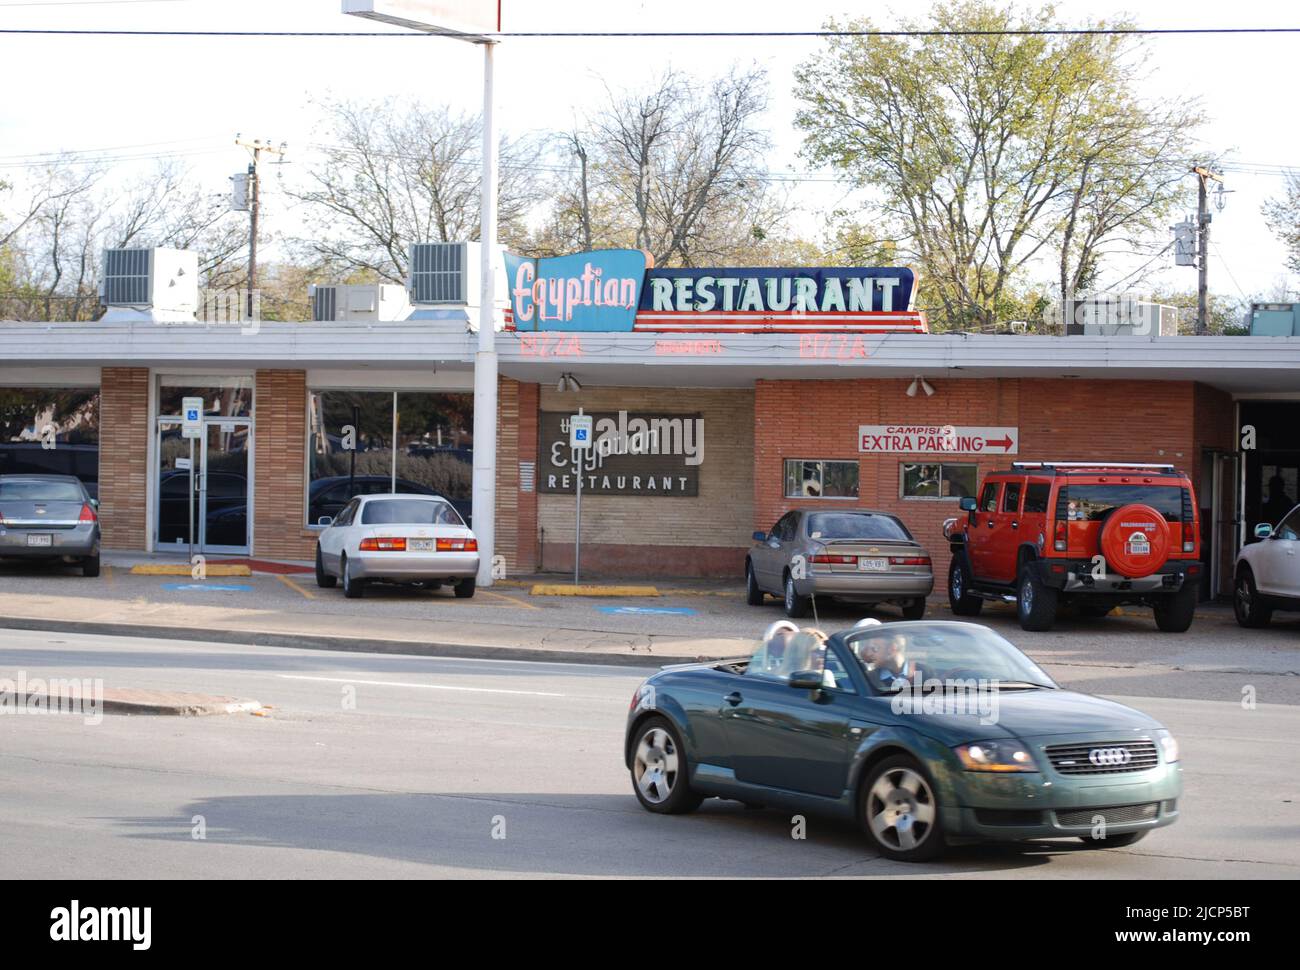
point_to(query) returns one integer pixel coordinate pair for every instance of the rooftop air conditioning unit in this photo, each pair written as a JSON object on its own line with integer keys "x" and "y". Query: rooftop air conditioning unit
{"x": 1126, "y": 317}
{"x": 447, "y": 274}
{"x": 359, "y": 302}
{"x": 164, "y": 281}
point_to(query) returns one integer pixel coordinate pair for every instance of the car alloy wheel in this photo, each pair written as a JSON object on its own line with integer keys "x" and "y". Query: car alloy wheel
{"x": 901, "y": 812}
{"x": 958, "y": 584}
{"x": 1027, "y": 597}
{"x": 655, "y": 766}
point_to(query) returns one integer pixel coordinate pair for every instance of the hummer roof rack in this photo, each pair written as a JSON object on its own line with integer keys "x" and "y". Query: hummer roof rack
{"x": 1149, "y": 466}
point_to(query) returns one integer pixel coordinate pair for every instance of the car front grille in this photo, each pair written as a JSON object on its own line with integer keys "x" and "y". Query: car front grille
{"x": 1115, "y": 815}
{"x": 1103, "y": 757}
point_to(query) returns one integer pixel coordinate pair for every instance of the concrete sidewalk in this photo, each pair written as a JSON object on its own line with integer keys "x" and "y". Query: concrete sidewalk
{"x": 321, "y": 631}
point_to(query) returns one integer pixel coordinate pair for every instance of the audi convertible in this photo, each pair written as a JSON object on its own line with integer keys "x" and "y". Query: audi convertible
{"x": 927, "y": 734}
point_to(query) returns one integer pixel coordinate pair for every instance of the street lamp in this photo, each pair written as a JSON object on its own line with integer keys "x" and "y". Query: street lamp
{"x": 470, "y": 20}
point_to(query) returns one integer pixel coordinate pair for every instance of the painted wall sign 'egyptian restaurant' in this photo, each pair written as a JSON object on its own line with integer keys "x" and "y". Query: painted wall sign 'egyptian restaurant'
{"x": 631, "y": 454}
{"x": 613, "y": 290}
{"x": 949, "y": 439}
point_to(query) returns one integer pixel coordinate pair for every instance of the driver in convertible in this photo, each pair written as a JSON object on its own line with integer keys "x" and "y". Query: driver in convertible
{"x": 885, "y": 660}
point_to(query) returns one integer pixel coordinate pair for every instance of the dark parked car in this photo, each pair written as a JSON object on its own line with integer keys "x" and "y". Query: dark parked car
{"x": 48, "y": 518}
{"x": 923, "y": 732}
{"x": 328, "y": 496}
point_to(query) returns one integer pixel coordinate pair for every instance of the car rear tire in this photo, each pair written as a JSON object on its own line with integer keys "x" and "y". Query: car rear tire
{"x": 1250, "y": 610}
{"x": 960, "y": 599}
{"x": 753, "y": 595}
{"x": 1114, "y": 841}
{"x": 660, "y": 772}
{"x": 796, "y": 606}
{"x": 1035, "y": 603}
{"x": 465, "y": 588}
{"x": 899, "y": 811}
{"x": 90, "y": 566}
{"x": 1174, "y": 611}
{"x": 915, "y": 609}
{"x": 323, "y": 579}
{"x": 353, "y": 589}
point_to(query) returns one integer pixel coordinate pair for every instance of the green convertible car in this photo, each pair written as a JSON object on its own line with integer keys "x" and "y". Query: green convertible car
{"x": 926, "y": 733}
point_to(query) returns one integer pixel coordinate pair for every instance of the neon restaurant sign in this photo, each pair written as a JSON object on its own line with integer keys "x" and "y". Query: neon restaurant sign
{"x": 615, "y": 290}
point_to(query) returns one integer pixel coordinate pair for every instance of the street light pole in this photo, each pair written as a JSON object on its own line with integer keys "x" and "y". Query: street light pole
{"x": 485, "y": 360}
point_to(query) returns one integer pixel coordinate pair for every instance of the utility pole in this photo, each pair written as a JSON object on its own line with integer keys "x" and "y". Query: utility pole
{"x": 1203, "y": 176}
{"x": 256, "y": 146}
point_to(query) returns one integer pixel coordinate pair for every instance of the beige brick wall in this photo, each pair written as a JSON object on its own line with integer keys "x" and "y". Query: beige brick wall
{"x": 720, "y": 516}
{"x": 123, "y": 456}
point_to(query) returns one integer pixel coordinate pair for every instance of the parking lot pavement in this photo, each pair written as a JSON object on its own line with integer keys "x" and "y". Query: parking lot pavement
{"x": 1122, "y": 653}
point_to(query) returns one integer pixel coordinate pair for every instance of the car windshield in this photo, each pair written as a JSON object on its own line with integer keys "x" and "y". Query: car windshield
{"x": 408, "y": 511}
{"x": 855, "y": 525}
{"x": 1090, "y": 503}
{"x": 40, "y": 491}
{"x": 918, "y": 654}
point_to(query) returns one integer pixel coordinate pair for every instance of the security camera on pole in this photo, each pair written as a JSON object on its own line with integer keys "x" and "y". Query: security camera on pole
{"x": 473, "y": 21}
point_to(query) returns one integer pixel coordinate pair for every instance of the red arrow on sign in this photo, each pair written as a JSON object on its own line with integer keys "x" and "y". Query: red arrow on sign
{"x": 1003, "y": 443}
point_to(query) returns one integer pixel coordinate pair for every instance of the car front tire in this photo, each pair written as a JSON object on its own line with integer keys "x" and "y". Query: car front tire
{"x": 1250, "y": 610}
{"x": 660, "y": 772}
{"x": 323, "y": 579}
{"x": 796, "y": 606}
{"x": 960, "y": 599}
{"x": 899, "y": 811}
{"x": 753, "y": 595}
{"x": 1035, "y": 603}
{"x": 353, "y": 589}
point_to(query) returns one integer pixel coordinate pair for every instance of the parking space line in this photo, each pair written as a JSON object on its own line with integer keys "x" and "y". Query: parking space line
{"x": 508, "y": 599}
{"x": 108, "y": 575}
{"x": 292, "y": 585}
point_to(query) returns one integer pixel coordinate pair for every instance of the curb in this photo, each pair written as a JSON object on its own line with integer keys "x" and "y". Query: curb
{"x": 180, "y": 704}
{"x": 307, "y": 641}
{"x": 557, "y": 589}
{"x": 179, "y": 569}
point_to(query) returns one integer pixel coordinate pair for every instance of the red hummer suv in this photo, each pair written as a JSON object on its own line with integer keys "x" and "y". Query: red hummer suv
{"x": 1096, "y": 535}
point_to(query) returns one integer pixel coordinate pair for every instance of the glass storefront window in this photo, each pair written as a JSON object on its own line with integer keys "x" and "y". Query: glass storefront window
{"x": 937, "y": 480}
{"x": 222, "y": 397}
{"x": 50, "y": 431}
{"x": 820, "y": 479}
{"x": 351, "y": 447}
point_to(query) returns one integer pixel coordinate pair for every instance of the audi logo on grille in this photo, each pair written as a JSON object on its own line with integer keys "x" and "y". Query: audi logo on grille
{"x": 1109, "y": 757}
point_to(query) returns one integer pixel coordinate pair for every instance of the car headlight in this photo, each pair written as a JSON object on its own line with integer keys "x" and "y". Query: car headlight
{"x": 996, "y": 756}
{"x": 1168, "y": 745}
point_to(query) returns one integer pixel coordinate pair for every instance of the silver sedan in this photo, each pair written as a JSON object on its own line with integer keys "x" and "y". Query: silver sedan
{"x": 397, "y": 538}
{"x": 49, "y": 517}
{"x": 859, "y": 555}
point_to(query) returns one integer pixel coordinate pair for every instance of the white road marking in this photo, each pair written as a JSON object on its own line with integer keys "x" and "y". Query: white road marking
{"x": 399, "y": 683}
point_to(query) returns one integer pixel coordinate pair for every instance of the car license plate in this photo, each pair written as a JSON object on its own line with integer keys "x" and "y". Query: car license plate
{"x": 40, "y": 539}
{"x": 420, "y": 545}
{"x": 873, "y": 565}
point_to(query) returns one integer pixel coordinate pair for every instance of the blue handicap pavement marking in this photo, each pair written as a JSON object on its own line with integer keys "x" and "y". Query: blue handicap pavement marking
{"x": 209, "y": 587}
{"x": 638, "y": 610}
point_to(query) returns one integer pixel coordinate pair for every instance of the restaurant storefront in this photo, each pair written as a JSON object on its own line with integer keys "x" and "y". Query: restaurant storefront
{"x": 721, "y": 398}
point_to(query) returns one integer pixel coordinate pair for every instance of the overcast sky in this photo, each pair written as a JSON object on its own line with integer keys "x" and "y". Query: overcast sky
{"x": 188, "y": 97}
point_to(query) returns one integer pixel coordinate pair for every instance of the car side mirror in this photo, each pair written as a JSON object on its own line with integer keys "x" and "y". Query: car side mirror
{"x": 94, "y": 503}
{"x": 967, "y": 503}
{"x": 325, "y": 520}
{"x": 806, "y": 679}
{"x": 760, "y": 536}
{"x": 1263, "y": 530}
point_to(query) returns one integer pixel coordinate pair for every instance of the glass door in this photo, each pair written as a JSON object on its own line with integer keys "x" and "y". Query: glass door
{"x": 221, "y": 486}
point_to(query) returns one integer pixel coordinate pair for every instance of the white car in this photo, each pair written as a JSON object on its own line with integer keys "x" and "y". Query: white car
{"x": 1267, "y": 574}
{"x": 400, "y": 539}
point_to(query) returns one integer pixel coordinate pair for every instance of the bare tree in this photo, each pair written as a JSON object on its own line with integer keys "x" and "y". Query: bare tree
{"x": 397, "y": 175}
{"x": 1283, "y": 217}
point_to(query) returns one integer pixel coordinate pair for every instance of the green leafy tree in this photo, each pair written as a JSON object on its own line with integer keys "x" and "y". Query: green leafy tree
{"x": 990, "y": 155}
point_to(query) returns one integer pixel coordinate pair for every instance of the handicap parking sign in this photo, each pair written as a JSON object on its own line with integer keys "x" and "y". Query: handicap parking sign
{"x": 580, "y": 427}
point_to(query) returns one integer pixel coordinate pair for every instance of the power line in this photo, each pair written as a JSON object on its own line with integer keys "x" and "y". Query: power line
{"x": 678, "y": 35}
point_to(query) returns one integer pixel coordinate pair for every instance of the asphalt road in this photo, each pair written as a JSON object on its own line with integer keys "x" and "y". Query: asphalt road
{"x": 413, "y": 778}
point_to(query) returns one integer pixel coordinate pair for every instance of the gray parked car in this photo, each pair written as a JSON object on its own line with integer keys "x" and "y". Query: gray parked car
{"x": 47, "y": 518}
{"x": 858, "y": 555}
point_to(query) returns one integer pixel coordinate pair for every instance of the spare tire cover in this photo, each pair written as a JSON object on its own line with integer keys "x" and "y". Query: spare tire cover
{"x": 1135, "y": 541}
